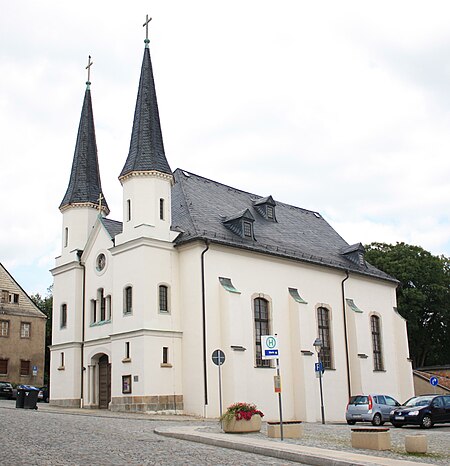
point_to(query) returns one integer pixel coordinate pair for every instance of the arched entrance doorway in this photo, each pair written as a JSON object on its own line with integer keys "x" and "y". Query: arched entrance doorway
{"x": 104, "y": 382}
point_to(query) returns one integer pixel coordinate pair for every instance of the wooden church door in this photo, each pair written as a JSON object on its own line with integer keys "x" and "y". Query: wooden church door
{"x": 104, "y": 385}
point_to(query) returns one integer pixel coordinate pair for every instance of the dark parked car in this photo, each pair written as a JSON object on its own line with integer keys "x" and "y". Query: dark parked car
{"x": 43, "y": 394}
{"x": 370, "y": 408}
{"x": 424, "y": 411}
{"x": 6, "y": 390}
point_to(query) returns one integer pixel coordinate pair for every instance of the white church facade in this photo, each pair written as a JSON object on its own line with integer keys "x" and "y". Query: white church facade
{"x": 140, "y": 305}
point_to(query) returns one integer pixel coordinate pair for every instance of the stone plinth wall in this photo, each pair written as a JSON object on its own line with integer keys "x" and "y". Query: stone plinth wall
{"x": 66, "y": 403}
{"x": 153, "y": 403}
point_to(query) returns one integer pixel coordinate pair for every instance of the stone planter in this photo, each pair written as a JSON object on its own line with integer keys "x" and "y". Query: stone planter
{"x": 371, "y": 439}
{"x": 234, "y": 426}
{"x": 291, "y": 429}
{"x": 416, "y": 443}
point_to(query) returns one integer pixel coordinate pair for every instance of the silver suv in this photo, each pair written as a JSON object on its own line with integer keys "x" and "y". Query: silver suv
{"x": 370, "y": 408}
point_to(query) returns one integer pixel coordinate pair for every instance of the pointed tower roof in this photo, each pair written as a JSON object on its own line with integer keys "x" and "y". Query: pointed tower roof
{"x": 146, "y": 146}
{"x": 85, "y": 186}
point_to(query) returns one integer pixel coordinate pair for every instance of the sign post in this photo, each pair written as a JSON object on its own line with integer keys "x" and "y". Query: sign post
{"x": 218, "y": 358}
{"x": 269, "y": 346}
{"x": 434, "y": 381}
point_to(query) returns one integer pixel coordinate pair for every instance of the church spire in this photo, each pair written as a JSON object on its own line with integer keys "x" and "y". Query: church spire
{"x": 84, "y": 185}
{"x": 146, "y": 146}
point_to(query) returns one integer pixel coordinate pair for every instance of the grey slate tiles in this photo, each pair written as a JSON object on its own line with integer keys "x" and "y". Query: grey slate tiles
{"x": 84, "y": 184}
{"x": 146, "y": 146}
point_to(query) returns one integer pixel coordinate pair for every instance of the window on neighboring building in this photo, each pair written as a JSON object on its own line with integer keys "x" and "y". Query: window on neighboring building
{"x": 25, "y": 330}
{"x": 24, "y": 367}
{"x": 128, "y": 210}
{"x": 261, "y": 316}
{"x": 163, "y": 298}
{"x": 323, "y": 322}
{"x": 63, "y": 315}
{"x": 128, "y": 300}
{"x": 5, "y": 296}
{"x": 165, "y": 355}
{"x": 376, "y": 343}
{"x": 14, "y": 298}
{"x": 3, "y": 366}
{"x": 4, "y": 328}
{"x": 161, "y": 209}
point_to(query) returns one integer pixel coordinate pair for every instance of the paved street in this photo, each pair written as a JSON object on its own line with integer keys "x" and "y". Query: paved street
{"x": 44, "y": 438}
{"x": 54, "y": 436}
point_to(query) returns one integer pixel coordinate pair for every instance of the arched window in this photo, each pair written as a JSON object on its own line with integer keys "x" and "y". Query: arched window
{"x": 376, "y": 343}
{"x": 323, "y": 323}
{"x": 163, "y": 298}
{"x": 63, "y": 316}
{"x": 261, "y": 317}
{"x": 102, "y": 302}
{"x": 66, "y": 237}
{"x": 128, "y": 300}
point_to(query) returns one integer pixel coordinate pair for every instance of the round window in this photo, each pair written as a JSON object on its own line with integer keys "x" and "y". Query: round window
{"x": 101, "y": 262}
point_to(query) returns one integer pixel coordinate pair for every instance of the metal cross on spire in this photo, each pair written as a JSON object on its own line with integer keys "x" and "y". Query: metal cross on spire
{"x": 147, "y": 20}
{"x": 100, "y": 198}
{"x": 88, "y": 67}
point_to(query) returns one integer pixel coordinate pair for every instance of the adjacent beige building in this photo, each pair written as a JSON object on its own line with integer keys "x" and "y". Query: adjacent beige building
{"x": 22, "y": 334}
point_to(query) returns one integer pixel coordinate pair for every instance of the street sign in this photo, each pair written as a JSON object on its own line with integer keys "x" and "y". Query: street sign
{"x": 218, "y": 357}
{"x": 35, "y": 371}
{"x": 269, "y": 346}
{"x": 277, "y": 383}
{"x": 434, "y": 381}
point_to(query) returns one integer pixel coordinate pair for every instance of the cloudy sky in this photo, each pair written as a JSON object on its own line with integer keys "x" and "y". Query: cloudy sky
{"x": 338, "y": 107}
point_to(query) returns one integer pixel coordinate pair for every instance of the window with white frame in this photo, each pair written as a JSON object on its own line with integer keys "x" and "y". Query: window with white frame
{"x": 4, "y": 328}
{"x": 25, "y": 330}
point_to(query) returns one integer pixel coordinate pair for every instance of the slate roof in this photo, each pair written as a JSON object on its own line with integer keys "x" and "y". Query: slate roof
{"x": 113, "y": 227}
{"x": 200, "y": 206}
{"x": 146, "y": 146}
{"x": 84, "y": 184}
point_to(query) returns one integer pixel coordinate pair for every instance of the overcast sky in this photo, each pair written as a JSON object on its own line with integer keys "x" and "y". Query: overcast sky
{"x": 338, "y": 107}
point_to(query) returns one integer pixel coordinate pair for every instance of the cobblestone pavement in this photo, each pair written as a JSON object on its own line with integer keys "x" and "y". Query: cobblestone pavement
{"x": 52, "y": 436}
{"x": 41, "y": 438}
{"x": 338, "y": 437}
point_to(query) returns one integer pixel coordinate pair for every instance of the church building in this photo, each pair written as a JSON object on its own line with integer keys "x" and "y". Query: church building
{"x": 141, "y": 304}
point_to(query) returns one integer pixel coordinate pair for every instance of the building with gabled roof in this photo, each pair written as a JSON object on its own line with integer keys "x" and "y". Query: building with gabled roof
{"x": 22, "y": 334}
{"x": 194, "y": 266}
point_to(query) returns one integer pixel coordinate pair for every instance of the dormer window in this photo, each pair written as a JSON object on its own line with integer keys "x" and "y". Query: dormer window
{"x": 247, "y": 229}
{"x": 266, "y": 208}
{"x": 241, "y": 224}
{"x": 355, "y": 254}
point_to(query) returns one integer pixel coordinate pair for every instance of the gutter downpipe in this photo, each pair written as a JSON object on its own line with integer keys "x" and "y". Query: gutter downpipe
{"x": 349, "y": 386}
{"x": 205, "y": 380}
{"x": 83, "y": 311}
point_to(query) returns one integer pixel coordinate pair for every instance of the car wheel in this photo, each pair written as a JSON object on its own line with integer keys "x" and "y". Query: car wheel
{"x": 376, "y": 420}
{"x": 426, "y": 422}
{"x": 351, "y": 423}
{"x": 397, "y": 424}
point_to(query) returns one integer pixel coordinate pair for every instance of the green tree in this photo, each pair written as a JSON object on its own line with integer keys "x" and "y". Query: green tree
{"x": 423, "y": 297}
{"x": 45, "y": 304}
